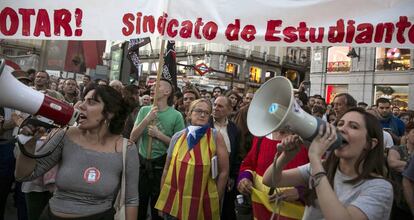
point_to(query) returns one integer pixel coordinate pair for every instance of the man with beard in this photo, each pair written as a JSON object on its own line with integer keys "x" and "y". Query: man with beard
{"x": 41, "y": 84}
{"x": 70, "y": 91}
{"x": 389, "y": 122}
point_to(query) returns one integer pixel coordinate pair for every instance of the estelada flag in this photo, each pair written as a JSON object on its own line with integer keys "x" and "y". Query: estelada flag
{"x": 189, "y": 191}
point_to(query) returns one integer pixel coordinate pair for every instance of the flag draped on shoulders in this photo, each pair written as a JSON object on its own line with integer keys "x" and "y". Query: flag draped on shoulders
{"x": 189, "y": 192}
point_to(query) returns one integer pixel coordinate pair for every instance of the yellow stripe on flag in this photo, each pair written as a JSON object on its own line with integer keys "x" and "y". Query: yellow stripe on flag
{"x": 260, "y": 195}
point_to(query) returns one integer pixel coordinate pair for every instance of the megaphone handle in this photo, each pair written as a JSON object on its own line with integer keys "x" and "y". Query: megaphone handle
{"x": 271, "y": 191}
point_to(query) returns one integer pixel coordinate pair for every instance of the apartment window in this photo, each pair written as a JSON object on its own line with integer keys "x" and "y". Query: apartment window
{"x": 392, "y": 59}
{"x": 338, "y": 60}
{"x": 255, "y": 74}
{"x": 232, "y": 68}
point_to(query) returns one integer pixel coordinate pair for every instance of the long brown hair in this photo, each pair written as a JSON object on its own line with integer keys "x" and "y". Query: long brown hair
{"x": 371, "y": 159}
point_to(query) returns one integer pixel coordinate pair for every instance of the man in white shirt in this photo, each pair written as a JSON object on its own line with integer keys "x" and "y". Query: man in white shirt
{"x": 231, "y": 134}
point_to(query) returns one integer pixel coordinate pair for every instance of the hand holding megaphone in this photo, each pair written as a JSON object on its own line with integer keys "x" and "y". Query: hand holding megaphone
{"x": 28, "y": 100}
{"x": 323, "y": 141}
{"x": 290, "y": 145}
{"x": 32, "y": 133}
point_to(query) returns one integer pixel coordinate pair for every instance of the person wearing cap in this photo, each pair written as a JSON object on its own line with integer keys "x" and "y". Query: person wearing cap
{"x": 160, "y": 122}
{"x": 22, "y": 77}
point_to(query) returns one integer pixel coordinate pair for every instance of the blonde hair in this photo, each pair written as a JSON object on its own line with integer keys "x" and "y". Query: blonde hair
{"x": 193, "y": 105}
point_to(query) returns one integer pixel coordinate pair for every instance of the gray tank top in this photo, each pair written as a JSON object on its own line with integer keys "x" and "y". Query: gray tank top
{"x": 88, "y": 181}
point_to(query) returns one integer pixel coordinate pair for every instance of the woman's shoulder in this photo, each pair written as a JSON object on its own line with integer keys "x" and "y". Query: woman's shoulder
{"x": 72, "y": 131}
{"x": 379, "y": 182}
{"x": 180, "y": 132}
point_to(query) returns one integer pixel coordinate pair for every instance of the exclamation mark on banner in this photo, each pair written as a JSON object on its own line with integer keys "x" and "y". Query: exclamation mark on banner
{"x": 78, "y": 19}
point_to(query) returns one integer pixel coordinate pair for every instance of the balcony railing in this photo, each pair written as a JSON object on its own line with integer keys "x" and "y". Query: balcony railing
{"x": 144, "y": 52}
{"x": 236, "y": 50}
{"x": 273, "y": 58}
{"x": 294, "y": 60}
{"x": 181, "y": 49}
{"x": 199, "y": 48}
{"x": 257, "y": 54}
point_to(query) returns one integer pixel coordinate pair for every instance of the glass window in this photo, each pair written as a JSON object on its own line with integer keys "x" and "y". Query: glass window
{"x": 255, "y": 74}
{"x": 398, "y": 94}
{"x": 338, "y": 60}
{"x": 392, "y": 59}
{"x": 333, "y": 90}
{"x": 293, "y": 76}
{"x": 145, "y": 67}
{"x": 233, "y": 69}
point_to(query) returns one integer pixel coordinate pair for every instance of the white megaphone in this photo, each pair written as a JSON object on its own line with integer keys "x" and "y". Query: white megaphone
{"x": 16, "y": 95}
{"x": 274, "y": 107}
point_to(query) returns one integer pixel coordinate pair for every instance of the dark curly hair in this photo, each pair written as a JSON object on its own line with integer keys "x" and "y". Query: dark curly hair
{"x": 113, "y": 103}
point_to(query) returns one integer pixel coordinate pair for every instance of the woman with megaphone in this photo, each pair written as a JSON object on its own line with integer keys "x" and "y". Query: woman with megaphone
{"x": 90, "y": 158}
{"x": 350, "y": 183}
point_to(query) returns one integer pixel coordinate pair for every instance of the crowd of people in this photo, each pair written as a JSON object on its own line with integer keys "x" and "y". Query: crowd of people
{"x": 190, "y": 155}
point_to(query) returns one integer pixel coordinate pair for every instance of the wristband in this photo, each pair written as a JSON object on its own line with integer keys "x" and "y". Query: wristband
{"x": 316, "y": 179}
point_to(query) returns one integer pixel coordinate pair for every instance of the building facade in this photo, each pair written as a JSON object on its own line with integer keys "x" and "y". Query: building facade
{"x": 365, "y": 73}
{"x": 68, "y": 59}
{"x": 244, "y": 67}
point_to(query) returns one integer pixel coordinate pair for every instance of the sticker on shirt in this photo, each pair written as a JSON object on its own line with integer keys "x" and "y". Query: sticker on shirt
{"x": 92, "y": 175}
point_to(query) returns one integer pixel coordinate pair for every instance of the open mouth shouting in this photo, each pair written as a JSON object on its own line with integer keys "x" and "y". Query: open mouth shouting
{"x": 82, "y": 118}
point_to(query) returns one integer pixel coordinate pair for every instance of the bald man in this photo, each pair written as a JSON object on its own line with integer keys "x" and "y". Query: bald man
{"x": 160, "y": 122}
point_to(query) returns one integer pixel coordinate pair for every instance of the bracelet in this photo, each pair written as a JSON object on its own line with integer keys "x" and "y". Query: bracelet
{"x": 316, "y": 179}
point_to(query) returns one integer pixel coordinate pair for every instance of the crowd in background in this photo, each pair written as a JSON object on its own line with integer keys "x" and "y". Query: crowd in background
{"x": 242, "y": 158}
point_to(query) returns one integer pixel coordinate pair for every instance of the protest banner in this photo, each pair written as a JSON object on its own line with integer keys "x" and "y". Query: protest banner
{"x": 378, "y": 23}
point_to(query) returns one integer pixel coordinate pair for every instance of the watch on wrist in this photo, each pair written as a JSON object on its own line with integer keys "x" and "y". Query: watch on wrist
{"x": 316, "y": 179}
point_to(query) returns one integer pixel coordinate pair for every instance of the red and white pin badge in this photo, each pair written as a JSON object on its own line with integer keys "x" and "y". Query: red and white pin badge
{"x": 92, "y": 175}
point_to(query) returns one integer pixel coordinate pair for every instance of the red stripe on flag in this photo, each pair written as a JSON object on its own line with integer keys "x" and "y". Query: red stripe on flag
{"x": 173, "y": 189}
{"x": 206, "y": 205}
{"x": 206, "y": 198}
{"x": 197, "y": 182}
{"x": 208, "y": 140}
{"x": 181, "y": 181}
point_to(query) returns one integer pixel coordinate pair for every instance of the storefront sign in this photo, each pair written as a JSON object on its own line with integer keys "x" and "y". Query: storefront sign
{"x": 385, "y": 23}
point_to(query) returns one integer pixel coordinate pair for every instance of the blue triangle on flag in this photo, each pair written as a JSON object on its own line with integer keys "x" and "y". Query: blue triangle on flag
{"x": 194, "y": 134}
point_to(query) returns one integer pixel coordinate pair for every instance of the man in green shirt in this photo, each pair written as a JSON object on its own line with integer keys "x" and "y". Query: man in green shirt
{"x": 161, "y": 122}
